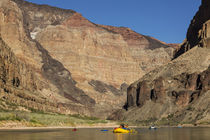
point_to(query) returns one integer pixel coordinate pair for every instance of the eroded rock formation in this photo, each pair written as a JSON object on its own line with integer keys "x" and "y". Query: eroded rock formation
{"x": 171, "y": 97}
{"x": 184, "y": 88}
{"x": 198, "y": 33}
{"x": 28, "y": 69}
{"x": 76, "y": 66}
{"x": 177, "y": 92}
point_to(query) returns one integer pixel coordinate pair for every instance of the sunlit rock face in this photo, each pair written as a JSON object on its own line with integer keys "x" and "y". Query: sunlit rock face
{"x": 92, "y": 51}
{"x": 68, "y": 63}
{"x": 102, "y": 53}
{"x": 26, "y": 71}
{"x": 177, "y": 92}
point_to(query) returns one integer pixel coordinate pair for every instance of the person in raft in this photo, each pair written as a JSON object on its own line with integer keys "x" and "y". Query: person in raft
{"x": 123, "y": 126}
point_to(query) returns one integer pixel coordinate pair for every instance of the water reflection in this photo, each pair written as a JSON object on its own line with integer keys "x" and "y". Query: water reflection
{"x": 119, "y": 137}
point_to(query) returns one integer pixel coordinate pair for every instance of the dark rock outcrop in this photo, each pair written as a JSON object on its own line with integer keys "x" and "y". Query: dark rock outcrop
{"x": 142, "y": 93}
{"x": 198, "y": 33}
{"x": 186, "y": 85}
{"x": 169, "y": 100}
{"x": 159, "y": 89}
{"x": 131, "y": 96}
{"x": 103, "y": 87}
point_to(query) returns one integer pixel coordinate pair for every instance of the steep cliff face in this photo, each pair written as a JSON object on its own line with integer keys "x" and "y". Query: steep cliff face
{"x": 93, "y": 52}
{"x": 149, "y": 52}
{"x": 21, "y": 88}
{"x": 157, "y": 90}
{"x": 96, "y": 55}
{"x": 68, "y": 63}
{"x": 35, "y": 70}
{"x": 198, "y": 33}
{"x": 177, "y": 92}
{"x": 89, "y": 51}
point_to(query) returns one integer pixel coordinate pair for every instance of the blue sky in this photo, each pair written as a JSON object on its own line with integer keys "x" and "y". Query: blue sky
{"x": 166, "y": 20}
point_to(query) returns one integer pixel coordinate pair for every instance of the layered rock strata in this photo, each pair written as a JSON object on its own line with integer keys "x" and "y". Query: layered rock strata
{"x": 173, "y": 93}
{"x": 37, "y": 72}
{"x": 21, "y": 88}
{"x": 76, "y": 65}
{"x": 89, "y": 45}
{"x": 177, "y": 92}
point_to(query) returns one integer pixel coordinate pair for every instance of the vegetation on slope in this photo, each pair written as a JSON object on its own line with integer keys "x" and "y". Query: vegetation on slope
{"x": 12, "y": 115}
{"x": 38, "y": 119}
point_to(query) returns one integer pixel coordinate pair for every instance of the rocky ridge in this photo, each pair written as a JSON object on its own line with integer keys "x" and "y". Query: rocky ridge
{"x": 176, "y": 93}
{"x": 198, "y": 33}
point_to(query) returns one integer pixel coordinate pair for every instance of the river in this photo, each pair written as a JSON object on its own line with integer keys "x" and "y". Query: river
{"x": 96, "y": 134}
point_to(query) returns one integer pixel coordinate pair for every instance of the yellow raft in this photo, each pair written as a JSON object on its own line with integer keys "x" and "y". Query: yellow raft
{"x": 122, "y": 130}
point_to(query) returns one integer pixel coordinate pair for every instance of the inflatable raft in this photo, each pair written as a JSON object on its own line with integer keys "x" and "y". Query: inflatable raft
{"x": 123, "y": 130}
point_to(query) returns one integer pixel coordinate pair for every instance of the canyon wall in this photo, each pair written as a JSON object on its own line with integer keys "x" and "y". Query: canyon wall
{"x": 33, "y": 69}
{"x": 76, "y": 66}
{"x": 178, "y": 92}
